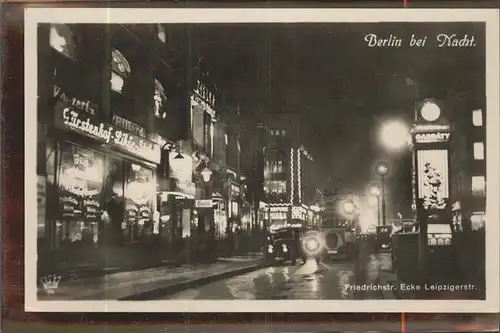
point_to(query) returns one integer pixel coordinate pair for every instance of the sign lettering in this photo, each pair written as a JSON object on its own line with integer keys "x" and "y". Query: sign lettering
{"x": 128, "y": 125}
{"x": 73, "y": 120}
{"x": 204, "y": 203}
{"x": 85, "y": 106}
{"x": 432, "y": 137}
{"x": 235, "y": 189}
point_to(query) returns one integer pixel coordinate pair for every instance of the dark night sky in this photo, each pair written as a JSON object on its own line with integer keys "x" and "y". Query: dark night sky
{"x": 327, "y": 73}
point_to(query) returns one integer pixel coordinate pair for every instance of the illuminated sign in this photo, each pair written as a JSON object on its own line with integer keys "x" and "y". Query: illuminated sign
{"x": 278, "y": 213}
{"x": 298, "y": 212}
{"x": 71, "y": 119}
{"x": 432, "y": 137}
{"x": 433, "y": 185}
{"x": 208, "y": 203}
{"x": 279, "y": 209}
{"x": 202, "y": 91}
{"x": 235, "y": 189}
{"x": 128, "y": 125}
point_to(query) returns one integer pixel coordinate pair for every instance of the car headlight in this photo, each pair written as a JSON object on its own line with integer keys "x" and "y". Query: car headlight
{"x": 270, "y": 249}
{"x": 312, "y": 245}
{"x": 285, "y": 249}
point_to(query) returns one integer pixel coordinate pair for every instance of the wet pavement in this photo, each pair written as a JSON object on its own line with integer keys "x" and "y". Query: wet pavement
{"x": 125, "y": 284}
{"x": 328, "y": 280}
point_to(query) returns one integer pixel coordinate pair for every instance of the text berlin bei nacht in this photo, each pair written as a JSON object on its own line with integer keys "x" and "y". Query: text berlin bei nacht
{"x": 441, "y": 41}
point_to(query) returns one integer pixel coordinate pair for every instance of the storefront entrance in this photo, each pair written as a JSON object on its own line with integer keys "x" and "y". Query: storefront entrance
{"x": 98, "y": 199}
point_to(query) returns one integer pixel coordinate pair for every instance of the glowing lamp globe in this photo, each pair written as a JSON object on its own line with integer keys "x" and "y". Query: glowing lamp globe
{"x": 382, "y": 169}
{"x": 349, "y": 207}
{"x": 395, "y": 135}
{"x": 206, "y": 174}
{"x": 430, "y": 111}
{"x": 375, "y": 191}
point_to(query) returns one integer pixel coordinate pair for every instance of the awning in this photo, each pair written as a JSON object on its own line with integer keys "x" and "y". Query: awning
{"x": 217, "y": 196}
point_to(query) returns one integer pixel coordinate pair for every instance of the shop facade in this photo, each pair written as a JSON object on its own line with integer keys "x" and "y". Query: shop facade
{"x": 175, "y": 197}
{"x": 102, "y": 181}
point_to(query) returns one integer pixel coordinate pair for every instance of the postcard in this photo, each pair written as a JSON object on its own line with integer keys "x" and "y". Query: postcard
{"x": 261, "y": 160}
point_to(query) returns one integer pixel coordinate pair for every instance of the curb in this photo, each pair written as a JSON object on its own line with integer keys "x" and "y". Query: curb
{"x": 189, "y": 284}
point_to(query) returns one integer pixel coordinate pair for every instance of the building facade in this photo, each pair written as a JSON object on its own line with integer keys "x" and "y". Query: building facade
{"x": 288, "y": 173}
{"x": 135, "y": 144}
{"x": 97, "y": 158}
{"x": 468, "y": 168}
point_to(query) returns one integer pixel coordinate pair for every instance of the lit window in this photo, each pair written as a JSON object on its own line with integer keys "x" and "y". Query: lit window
{"x": 226, "y": 139}
{"x": 159, "y": 99}
{"x": 120, "y": 71}
{"x": 477, "y": 118}
{"x": 477, "y": 220}
{"x": 478, "y": 150}
{"x": 283, "y": 132}
{"x": 161, "y": 33}
{"x": 62, "y": 40}
{"x": 478, "y": 185}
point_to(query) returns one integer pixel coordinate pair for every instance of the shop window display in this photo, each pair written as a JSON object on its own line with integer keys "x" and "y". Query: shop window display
{"x": 139, "y": 195}
{"x": 112, "y": 199}
{"x": 220, "y": 220}
{"x": 80, "y": 181}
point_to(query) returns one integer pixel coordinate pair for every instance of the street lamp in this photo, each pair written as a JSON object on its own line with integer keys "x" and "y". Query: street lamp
{"x": 206, "y": 174}
{"x": 349, "y": 207}
{"x": 395, "y": 135}
{"x": 382, "y": 168}
{"x": 375, "y": 193}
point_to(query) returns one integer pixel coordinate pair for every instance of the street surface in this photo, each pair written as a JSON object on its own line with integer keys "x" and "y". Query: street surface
{"x": 311, "y": 281}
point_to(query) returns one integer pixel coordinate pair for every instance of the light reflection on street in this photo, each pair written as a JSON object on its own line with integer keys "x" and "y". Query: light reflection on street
{"x": 285, "y": 275}
{"x": 269, "y": 274}
{"x": 326, "y": 280}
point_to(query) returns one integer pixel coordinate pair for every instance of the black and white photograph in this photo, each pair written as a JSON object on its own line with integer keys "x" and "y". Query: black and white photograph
{"x": 297, "y": 160}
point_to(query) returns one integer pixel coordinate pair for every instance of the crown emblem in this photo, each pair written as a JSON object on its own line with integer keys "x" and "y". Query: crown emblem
{"x": 50, "y": 283}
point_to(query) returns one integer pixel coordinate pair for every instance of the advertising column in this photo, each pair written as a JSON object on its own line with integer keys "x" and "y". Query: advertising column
{"x": 431, "y": 134}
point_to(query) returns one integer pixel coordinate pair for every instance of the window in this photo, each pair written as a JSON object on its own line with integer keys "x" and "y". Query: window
{"x": 62, "y": 40}
{"x": 477, "y": 220}
{"x": 477, "y": 118}
{"x": 159, "y": 100}
{"x": 139, "y": 194}
{"x": 478, "y": 185}
{"x": 120, "y": 71}
{"x": 478, "y": 150}
{"x": 226, "y": 139}
{"x": 162, "y": 36}
{"x": 283, "y": 132}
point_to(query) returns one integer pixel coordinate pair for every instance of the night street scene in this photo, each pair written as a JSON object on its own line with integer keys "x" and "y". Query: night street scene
{"x": 304, "y": 161}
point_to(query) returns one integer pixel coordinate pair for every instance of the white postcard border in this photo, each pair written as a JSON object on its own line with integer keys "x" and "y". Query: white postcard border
{"x": 33, "y": 16}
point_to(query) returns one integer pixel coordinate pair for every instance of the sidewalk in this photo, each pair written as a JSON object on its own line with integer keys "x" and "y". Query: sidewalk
{"x": 151, "y": 283}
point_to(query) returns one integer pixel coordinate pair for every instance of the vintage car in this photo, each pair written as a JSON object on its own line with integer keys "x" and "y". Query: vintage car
{"x": 285, "y": 245}
{"x": 290, "y": 243}
{"x": 384, "y": 236}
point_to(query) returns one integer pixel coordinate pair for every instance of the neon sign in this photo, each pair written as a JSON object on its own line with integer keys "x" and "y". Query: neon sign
{"x": 432, "y": 137}
{"x": 74, "y": 120}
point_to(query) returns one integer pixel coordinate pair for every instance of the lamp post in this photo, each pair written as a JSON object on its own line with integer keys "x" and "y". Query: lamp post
{"x": 206, "y": 175}
{"x": 375, "y": 192}
{"x": 382, "y": 169}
